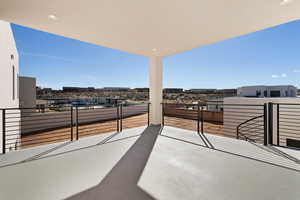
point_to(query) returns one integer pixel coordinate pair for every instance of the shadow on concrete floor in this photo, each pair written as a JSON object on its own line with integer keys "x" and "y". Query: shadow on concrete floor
{"x": 232, "y": 153}
{"x": 121, "y": 182}
{"x": 43, "y": 154}
{"x": 276, "y": 151}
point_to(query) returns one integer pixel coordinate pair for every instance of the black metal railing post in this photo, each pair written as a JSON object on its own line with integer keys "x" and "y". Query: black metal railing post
{"x": 163, "y": 114}
{"x": 278, "y": 142}
{"x": 198, "y": 118}
{"x": 270, "y": 117}
{"x": 202, "y": 121}
{"x": 265, "y": 124}
{"x": 76, "y": 123}
{"x": 118, "y": 118}
{"x": 3, "y": 132}
{"x": 71, "y": 123}
{"x": 148, "y": 108}
{"x": 121, "y": 117}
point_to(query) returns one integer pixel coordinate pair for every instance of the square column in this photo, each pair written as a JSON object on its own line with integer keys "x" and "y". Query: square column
{"x": 156, "y": 93}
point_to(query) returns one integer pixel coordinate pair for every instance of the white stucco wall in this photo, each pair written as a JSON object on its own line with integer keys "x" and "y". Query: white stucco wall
{"x": 8, "y": 84}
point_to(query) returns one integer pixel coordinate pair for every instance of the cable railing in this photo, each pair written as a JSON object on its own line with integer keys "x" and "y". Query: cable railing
{"x": 268, "y": 123}
{"x": 276, "y": 124}
{"x": 129, "y": 118}
{"x": 252, "y": 129}
{"x": 214, "y": 118}
{"x": 285, "y": 124}
{"x": 30, "y": 127}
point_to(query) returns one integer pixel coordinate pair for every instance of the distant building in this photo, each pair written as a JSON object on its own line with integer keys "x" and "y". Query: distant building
{"x": 262, "y": 91}
{"x": 116, "y": 89}
{"x": 227, "y": 92}
{"x": 173, "y": 90}
{"x": 78, "y": 89}
{"x": 203, "y": 91}
{"x": 27, "y": 92}
{"x": 256, "y": 95}
{"x": 141, "y": 89}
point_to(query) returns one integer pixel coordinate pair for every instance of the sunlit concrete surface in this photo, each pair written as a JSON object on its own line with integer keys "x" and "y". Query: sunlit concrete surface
{"x": 182, "y": 167}
{"x": 240, "y": 147}
{"x": 58, "y": 171}
{"x": 121, "y": 181}
{"x": 137, "y": 164}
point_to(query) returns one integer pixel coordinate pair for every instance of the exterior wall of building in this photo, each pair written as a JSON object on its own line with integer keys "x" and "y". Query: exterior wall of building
{"x": 248, "y": 113}
{"x": 172, "y": 90}
{"x": 78, "y": 89}
{"x": 141, "y": 89}
{"x": 27, "y": 92}
{"x": 9, "y": 67}
{"x": 201, "y": 90}
{"x": 266, "y": 91}
{"x": 117, "y": 89}
{"x": 9, "y": 71}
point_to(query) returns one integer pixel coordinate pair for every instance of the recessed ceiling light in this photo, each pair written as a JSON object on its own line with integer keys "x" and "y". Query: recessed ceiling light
{"x": 52, "y": 17}
{"x": 154, "y": 49}
{"x": 285, "y": 2}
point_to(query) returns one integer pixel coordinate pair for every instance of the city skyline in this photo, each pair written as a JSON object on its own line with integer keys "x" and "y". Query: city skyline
{"x": 247, "y": 60}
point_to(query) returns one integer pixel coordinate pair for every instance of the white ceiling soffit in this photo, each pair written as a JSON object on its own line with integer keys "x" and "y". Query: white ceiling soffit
{"x": 150, "y": 27}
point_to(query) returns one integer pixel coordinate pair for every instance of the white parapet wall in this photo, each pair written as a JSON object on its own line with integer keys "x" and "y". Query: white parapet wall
{"x": 289, "y": 127}
{"x": 9, "y": 72}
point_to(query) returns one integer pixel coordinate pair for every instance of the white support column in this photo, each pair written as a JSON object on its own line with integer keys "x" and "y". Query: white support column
{"x": 156, "y": 75}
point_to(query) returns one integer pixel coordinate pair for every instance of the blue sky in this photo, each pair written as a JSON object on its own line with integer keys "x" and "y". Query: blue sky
{"x": 267, "y": 57}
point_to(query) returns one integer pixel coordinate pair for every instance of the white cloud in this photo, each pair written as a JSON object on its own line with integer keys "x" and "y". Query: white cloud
{"x": 279, "y": 75}
{"x": 296, "y": 70}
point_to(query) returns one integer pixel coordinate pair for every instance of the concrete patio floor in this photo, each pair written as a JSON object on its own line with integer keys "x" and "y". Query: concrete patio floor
{"x": 140, "y": 164}
{"x": 182, "y": 167}
{"x": 58, "y": 171}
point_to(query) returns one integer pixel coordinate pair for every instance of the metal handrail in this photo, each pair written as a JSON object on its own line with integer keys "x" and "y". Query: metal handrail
{"x": 238, "y": 133}
{"x": 71, "y": 119}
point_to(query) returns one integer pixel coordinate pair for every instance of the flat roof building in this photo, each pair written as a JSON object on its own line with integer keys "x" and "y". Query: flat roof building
{"x": 78, "y": 89}
{"x": 173, "y": 90}
{"x": 116, "y": 89}
{"x": 263, "y": 91}
{"x": 201, "y": 90}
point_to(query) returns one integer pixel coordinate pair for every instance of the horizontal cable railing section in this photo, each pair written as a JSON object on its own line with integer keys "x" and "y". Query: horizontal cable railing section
{"x": 251, "y": 129}
{"x": 215, "y": 118}
{"x": 90, "y": 122}
{"x": 29, "y": 127}
{"x": 134, "y": 116}
{"x": 285, "y": 125}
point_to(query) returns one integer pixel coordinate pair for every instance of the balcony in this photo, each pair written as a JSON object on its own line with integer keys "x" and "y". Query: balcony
{"x": 192, "y": 156}
{"x": 166, "y": 151}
